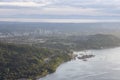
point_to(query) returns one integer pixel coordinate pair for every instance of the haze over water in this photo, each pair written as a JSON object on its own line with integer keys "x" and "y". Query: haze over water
{"x": 104, "y": 66}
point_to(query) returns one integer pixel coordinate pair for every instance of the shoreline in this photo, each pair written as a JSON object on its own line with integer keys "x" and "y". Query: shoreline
{"x": 81, "y": 59}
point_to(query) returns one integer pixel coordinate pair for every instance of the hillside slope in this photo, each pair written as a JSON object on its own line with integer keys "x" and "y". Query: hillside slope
{"x": 21, "y": 61}
{"x": 97, "y": 41}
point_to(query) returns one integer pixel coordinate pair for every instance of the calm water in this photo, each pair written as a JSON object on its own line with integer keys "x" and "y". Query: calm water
{"x": 104, "y": 66}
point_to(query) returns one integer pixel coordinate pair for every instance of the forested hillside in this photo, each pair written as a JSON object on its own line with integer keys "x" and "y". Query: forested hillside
{"x": 98, "y": 41}
{"x": 21, "y": 61}
{"x": 35, "y": 60}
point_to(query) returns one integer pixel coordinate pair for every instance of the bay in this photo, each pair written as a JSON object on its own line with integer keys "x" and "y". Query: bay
{"x": 104, "y": 66}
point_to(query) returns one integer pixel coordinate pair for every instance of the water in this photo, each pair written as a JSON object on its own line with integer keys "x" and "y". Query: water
{"x": 104, "y": 66}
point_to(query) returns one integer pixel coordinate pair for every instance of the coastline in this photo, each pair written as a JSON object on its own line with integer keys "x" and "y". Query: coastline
{"x": 73, "y": 55}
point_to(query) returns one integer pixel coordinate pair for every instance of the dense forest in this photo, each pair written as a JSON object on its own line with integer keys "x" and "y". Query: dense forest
{"x": 22, "y": 61}
{"x": 35, "y": 60}
{"x": 98, "y": 41}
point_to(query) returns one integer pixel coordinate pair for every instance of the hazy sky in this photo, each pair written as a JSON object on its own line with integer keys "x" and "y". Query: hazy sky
{"x": 60, "y": 10}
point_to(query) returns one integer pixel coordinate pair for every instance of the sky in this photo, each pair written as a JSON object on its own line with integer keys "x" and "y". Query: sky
{"x": 60, "y": 10}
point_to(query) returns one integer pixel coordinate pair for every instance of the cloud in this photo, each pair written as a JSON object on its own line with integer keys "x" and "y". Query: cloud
{"x": 57, "y": 11}
{"x": 56, "y": 20}
{"x": 80, "y": 9}
{"x": 24, "y": 4}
